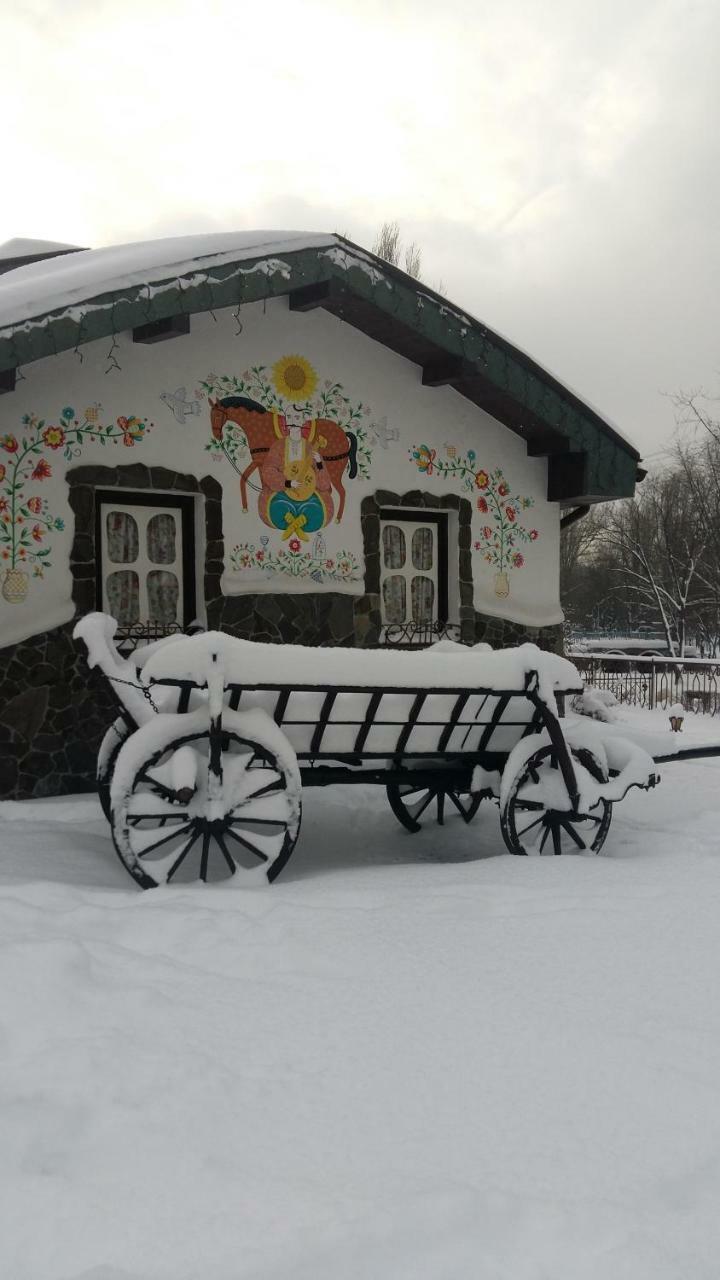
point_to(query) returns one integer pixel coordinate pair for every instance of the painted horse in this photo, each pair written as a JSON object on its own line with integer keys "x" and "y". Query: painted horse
{"x": 329, "y": 448}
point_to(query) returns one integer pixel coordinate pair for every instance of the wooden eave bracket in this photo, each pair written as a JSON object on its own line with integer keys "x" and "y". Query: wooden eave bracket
{"x": 7, "y": 380}
{"x": 310, "y": 296}
{"x": 161, "y": 330}
{"x": 442, "y": 370}
{"x": 567, "y": 477}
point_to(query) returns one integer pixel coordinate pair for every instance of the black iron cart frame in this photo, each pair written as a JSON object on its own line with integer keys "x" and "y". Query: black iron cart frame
{"x": 201, "y": 777}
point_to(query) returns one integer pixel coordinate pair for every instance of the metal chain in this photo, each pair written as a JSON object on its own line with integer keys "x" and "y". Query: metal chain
{"x": 142, "y": 688}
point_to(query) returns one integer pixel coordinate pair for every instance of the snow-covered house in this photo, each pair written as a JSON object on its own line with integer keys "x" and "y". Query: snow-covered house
{"x": 272, "y": 433}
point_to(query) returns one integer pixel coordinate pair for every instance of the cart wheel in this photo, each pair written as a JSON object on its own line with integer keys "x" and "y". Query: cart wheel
{"x": 174, "y": 820}
{"x": 530, "y": 825}
{"x": 410, "y": 803}
{"x": 110, "y": 746}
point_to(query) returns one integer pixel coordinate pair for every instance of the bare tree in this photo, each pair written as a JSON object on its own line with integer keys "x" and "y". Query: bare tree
{"x": 388, "y": 245}
{"x": 660, "y": 547}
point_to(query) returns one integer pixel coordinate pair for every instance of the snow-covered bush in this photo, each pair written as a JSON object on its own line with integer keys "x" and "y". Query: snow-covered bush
{"x": 599, "y": 704}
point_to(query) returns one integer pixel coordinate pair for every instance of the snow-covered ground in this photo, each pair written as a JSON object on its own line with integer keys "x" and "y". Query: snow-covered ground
{"x": 412, "y": 1058}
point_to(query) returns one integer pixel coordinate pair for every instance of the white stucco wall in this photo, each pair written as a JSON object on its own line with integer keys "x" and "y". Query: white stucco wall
{"x": 396, "y": 409}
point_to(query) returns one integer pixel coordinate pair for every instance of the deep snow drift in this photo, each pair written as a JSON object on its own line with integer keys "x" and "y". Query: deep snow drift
{"x": 412, "y": 1058}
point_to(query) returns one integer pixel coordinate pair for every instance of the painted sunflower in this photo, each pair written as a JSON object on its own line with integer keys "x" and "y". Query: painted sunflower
{"x": 294, "y": 378}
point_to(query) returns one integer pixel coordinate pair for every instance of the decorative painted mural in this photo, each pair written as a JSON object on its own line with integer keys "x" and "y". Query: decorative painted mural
{"x": 503, "y": 533}
{"x": 297, "y": 561}
{"x": 301, "y": 440}
{"x": 26, "y": 521}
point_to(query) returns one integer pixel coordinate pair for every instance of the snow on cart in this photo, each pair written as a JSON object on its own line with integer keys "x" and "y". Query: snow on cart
{"x": 201, "y": 775}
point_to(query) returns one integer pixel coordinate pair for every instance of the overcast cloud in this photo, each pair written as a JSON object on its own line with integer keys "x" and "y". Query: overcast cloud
{"x": 556, "y": 160}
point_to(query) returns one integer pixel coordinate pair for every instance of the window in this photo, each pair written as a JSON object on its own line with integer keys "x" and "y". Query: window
{"x": 145, "y": 559}
{"x": 413, "y": 571}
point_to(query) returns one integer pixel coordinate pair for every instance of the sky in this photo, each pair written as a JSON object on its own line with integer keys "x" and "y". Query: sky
{"x": 557, "y": 161}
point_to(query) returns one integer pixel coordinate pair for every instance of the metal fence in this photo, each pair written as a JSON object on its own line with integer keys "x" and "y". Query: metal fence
{"x": 647, "y": 681}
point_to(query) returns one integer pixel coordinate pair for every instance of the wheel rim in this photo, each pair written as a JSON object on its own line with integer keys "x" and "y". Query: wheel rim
{"x": 415, "y": 805}
{"x": 169, "y": 834}
{"x": 534, "y": 828}
{"x": 110, "y": 746}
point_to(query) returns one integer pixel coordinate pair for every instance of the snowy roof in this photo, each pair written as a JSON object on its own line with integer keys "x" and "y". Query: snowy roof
{"x": 19, "y": 247}
{"x": 66, "y": 281}
{"x": 61, "y": 302}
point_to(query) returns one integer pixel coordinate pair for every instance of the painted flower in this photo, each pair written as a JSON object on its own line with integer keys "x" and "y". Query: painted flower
{"x": 38, "y": 532}
{"x": 482, "y": 505}
{"x": 68, "y": 414}
{"x": 487, "y": 531}
{"x": 477, "y": 545}
{"x": 3, "y": 504}
{"x": 54, "y": 437}
{"x": 534, "y": 535}
{"x": 5, "y": 553}
{"x": 503, "y": 490}
{"x": 260, "y": 556}
{"x": 294, "y": 378}
{"x": 482, "y": 480}
{"x": 2, "y": 472}
{"x": 58, "y": 523}
{"x": 294, "y": 545}
{"x": 329, "y": 564}
{"x": 35, "y": 505}
{"x": 344, "y": 566}
{"x": 424, "y": 458}
{"x": 42, "y": 471}
{"x": 471, "y": 456}
{"x": 511, "y": 513}
{"x": 9, "y": 444}
{"x": 518, "y": 560}
{"x": 244, "y": 559}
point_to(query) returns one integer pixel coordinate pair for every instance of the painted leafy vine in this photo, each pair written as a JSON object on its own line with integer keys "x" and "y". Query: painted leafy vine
{"x": 26, "y": 518}
{"x": 296, "y": 562}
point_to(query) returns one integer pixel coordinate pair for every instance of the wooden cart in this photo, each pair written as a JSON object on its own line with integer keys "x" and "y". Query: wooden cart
{"x": 201, "y": 774}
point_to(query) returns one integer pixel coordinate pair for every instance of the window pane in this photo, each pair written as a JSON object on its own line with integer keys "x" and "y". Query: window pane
{"x": 422, "y": 592}
{"x": 123, "y": 596}
{"x": 122, "y": 537}
{"x": 394, "y": 599}
{"x": 163, "y": 590}
{"x": 393, "y": 546}
{"x": 161, "y": 538}
{"x": 422, "y": 549}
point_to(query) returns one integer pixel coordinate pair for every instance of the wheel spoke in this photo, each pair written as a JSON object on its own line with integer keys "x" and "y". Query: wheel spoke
{"x": 530, "y": 826}
{"x": 268, "y": 789}
{"x": 246, "y": 844}
{"x": 546, "y": 833}
{"x": 557, "y": 844}
{"x": 441, "y": 807}
{"x": 172, "y": 835}
{"x": 454, "y": 800}
{"x": 156, "y": 817}
{"x": 415, "y": 813}
{"x": 182, "y": 855}
{"x": 225, "y": 852}
{"x": 567, "y": 824}
{"x": 156, "y": 784}
{"x": 533, "y": 806}
{"x": 256, "y": 822}
{"x": 205, "y": 855}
